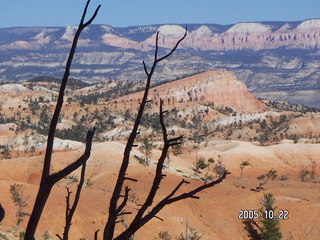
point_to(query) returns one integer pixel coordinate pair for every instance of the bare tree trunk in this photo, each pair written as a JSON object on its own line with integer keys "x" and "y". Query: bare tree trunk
{"x": 48, "y": 180}
{"x": 114, "y": 209}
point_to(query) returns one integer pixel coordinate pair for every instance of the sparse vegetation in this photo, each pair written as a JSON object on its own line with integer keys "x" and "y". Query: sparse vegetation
{"x": 46, "y": 236}
{"x": 270, "y": 175}
{"x": 304, "y": 174}
{"x": 242, "y": 166}
{"x": 146, "y": 148}
{"x": 89, "y": 183}
{"x": 199, "y": 164}
{"x": 5, "y": 152}
{"x": 163, "y": 236}
{"x": 3, "y": 236}
{"x": 177, "y": 150}
{"x": 283, "y": 178}
{"x": 193, "y": 234}
{"x": 73, "y": 178}
{"x": 16, "y": 191}
{"x": 308, "y": 173}
{"x": 219, "y": 168}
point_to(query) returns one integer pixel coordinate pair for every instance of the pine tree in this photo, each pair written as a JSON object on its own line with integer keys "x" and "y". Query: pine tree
{"x": 270, "y": 228}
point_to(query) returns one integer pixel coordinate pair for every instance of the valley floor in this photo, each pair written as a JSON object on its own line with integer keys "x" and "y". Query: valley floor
{"x": 214, "y": 215}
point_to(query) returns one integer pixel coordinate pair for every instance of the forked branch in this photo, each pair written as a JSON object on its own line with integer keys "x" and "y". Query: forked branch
{"x": 47, "y": 180}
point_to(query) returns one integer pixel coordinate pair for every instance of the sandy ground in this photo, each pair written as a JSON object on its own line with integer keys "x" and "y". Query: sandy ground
{"x": 214, "y": 215}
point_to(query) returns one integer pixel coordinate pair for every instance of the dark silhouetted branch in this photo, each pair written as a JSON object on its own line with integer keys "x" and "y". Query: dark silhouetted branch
{"x": 47, "y": 180}
{"x": 70, "y": 211}
{"x": 96, "y": 235}
{"x": 58, "y": 236}
{"x": 131, "y": 179}
{"x": 158, "y": 175}
{"x": 113, "y": 211}
{"x": 141, "y": 217}
{"x": 158, "y": 218}
{"x": 125, "y": 200}
{"x": 124, "y": 213}
{"x": 75, "y": 165}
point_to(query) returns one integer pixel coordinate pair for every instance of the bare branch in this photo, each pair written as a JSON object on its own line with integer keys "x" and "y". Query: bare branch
{"x": 70, "y": 211}
{"x": 131, "y": 179}
{"x": 80, "y": 161}
{"x": 175, "y": 47}
{"x": 166, "y": 201}
{"x": 84, "y": 13}
{"x": 110, "y": 226}
{"x": 136, "y": 223}
{"x": 157, "y": 48}
{"x": 58, "y": 236}
{"x": 158, "y": 218}
{"x": 177, "y": 188}
{"x": 176, "y": 139}
{"x": 197, "y": 190}
{"x": 145, "y": 68}
{"x": 96, "y": 234}
{"x": 195, "y": 197}
{"x": 124, "y": 213}
{"x": 84, "y": 25}
{"x": 125, "y": 200}
{"x": 158, "y": 176}
{"x": 48, "y": 181}
{"x": 163, "y": 127}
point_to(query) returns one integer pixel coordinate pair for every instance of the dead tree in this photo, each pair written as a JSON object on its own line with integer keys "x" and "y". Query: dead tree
{"x": 116, "y": 209}
{"x": 48, "y": 180}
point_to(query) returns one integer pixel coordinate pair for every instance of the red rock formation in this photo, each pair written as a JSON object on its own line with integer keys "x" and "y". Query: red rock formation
{"x": 220, "y": 87}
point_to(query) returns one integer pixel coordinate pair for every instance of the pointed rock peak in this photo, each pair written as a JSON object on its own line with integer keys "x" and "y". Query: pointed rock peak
{"x": 171, "y": 30}
{"x": 202, "y": 30}
{"x": 249, "y": 27}
{"x": 312, "y": 23}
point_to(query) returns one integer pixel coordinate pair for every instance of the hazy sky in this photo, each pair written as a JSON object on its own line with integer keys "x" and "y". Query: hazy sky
{"x": 121, "y": 13}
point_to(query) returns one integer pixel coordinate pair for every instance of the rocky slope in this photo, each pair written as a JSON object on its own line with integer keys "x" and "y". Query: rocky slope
{"x": 25, "y": 107}
{"x": 218, "y": 87}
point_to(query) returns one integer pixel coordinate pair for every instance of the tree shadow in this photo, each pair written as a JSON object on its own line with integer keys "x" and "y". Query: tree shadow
{"x": 250, "y": 227}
